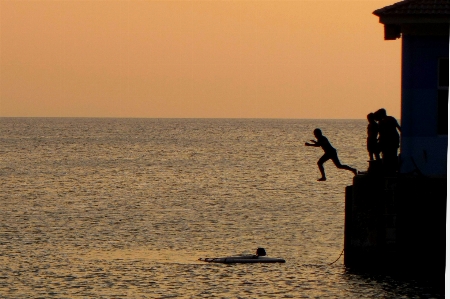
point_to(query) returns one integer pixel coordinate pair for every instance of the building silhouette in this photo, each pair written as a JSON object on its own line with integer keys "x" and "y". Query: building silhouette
{"x": 397, "y": 222}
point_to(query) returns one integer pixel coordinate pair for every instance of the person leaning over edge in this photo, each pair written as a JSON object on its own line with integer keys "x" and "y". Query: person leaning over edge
{"x": 330, "y": 153}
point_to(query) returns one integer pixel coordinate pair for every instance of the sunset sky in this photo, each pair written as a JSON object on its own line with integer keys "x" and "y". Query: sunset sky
{"x": 200, "y": 59}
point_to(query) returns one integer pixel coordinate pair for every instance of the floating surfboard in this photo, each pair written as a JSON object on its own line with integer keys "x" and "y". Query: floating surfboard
{"x": 242, "y": 259}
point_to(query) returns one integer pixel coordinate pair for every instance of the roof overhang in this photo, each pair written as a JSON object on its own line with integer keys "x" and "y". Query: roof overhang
{"x": 424, "y": 17}
{"x": 419, "y": 19}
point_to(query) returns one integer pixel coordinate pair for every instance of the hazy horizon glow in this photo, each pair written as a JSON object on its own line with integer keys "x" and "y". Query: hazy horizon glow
{"x": 196, "y": 59}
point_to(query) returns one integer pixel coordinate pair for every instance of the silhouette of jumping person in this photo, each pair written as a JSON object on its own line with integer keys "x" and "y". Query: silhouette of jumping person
{"x": 389, "y": 139}
{"x": 330, "y": 153}
{"x": 372, "y": 138}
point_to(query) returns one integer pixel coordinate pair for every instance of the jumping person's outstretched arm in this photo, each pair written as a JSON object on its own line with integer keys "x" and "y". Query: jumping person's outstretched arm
{"x": 314, "y": 143}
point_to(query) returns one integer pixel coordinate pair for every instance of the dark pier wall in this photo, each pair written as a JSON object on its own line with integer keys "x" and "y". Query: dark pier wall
{"x": 396, "y": 224}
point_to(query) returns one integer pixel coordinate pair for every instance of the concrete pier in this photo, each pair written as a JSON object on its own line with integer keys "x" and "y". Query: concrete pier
{"x": 396, "y": 223}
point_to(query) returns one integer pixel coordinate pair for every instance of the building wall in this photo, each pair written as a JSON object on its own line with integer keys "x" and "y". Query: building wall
{"x": 420, "y": 138}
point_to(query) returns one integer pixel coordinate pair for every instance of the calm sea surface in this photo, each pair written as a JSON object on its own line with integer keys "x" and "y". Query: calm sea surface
{"x": 123, "y": 208}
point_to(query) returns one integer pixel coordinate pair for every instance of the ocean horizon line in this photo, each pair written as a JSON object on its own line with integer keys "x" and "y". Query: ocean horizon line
{"x": 174, "y": 118}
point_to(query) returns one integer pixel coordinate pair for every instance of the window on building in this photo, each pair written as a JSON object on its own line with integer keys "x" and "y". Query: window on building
{"x": 443, "y": 97}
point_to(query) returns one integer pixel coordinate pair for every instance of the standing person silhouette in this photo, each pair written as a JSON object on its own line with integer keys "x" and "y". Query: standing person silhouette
{"x": 330, "y": 153}
{"x": 389, "y": 139}
{"x": 372, "y": 137}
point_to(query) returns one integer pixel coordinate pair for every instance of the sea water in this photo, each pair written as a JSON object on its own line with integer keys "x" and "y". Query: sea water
{"x": 123, "y": 208}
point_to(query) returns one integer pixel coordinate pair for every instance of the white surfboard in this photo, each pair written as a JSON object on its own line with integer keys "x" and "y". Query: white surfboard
{"x": 243, "y": 259}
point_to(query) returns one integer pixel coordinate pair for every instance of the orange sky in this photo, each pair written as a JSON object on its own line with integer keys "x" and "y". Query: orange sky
{"x": 233, "y": 59}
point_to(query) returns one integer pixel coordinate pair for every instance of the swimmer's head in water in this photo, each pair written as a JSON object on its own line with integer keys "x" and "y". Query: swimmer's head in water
{"x": 260, "y": 251}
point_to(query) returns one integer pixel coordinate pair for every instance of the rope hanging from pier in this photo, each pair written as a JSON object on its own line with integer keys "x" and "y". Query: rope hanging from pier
{"x": 337, "y": 258}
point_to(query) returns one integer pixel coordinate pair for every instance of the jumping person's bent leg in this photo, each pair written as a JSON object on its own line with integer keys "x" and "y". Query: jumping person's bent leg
{"x": 322, "y": 160}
